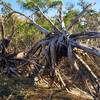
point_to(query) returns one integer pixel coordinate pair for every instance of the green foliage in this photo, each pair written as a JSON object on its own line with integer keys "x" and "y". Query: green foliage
{"x": 43, "y": 4}
{"x": 70, "y": 16}
{"x": 4, "y": 9}
{"x": 26, "y": 34}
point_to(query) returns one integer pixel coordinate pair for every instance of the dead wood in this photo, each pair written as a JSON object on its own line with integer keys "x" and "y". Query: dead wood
{"x": 46, "y": 55}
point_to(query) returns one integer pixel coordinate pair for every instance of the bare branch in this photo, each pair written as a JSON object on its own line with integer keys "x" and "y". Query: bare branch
{"x": 71, "y": 58}
{"x": 45, "y": 31}
{"x": 52, "y": 24}
{"x": 85, "y": 35}
{"x": 77, "y": 18}
{"x": 14, "y": 30}
{"x": 87, "y": 68}
{"x": 61, "y": 17}
{"x": 88, "y": 49}
{"x": 2, "y": 28}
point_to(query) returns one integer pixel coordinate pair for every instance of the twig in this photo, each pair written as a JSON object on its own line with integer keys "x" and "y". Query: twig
{"x": 10, "y": 97}
{"x": 62, "y": 81}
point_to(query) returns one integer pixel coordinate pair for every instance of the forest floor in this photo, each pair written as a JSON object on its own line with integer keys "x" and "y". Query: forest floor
{"x": 25, "y": 89}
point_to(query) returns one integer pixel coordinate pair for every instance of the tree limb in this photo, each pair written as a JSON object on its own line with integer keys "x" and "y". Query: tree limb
{"x": 77, "y": 18}
{"x": 61, "y": 20}
{"x": 2, "y": 28}
{"x": 88, "y": 49}
{"x": 85, "y": 35}
{"x": 87, "y": 67}
{"x": 52, "y": 24}
{"x": 45, "y": 31}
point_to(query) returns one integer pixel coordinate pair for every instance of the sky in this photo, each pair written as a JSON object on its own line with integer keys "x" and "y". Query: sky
{"x": 96, "y": 6}
{"x": 17, "y": 7}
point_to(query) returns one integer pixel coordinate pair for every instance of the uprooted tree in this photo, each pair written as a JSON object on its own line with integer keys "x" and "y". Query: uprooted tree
{"x": 45, "y": 57}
